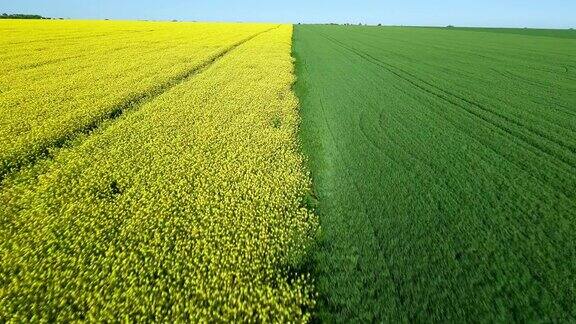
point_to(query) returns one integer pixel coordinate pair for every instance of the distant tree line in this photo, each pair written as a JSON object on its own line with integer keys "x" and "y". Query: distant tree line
{"x": 21, "y": 16}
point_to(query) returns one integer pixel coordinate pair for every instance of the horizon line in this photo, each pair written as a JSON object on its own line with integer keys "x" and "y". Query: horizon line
{"x": 291, "y": 23}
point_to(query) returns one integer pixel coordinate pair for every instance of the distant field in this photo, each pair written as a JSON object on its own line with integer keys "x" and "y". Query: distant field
{"x": 151, "y": 173}
{"x": 444, "y": 162}
{"x": 556, "y": 33}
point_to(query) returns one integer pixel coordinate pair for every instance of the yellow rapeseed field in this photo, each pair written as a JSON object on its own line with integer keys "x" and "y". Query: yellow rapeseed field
{"x": 59, "y": 77}
{"x": 191, "y": 207}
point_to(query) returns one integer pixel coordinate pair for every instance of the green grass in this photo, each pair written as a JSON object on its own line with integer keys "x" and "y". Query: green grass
{"x": 444, "y": 162}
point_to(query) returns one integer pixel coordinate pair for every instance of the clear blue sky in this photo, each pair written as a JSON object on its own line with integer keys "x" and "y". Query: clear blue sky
{"x": 491, "y": 13}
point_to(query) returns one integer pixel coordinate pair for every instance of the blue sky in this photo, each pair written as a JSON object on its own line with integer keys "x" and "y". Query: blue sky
{"x": 491, "y": 13}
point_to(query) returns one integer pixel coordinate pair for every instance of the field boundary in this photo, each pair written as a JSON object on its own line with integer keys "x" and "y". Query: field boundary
{"x": 130, "y": 104}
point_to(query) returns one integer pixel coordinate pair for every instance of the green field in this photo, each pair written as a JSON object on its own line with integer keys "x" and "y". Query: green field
{"x": 444, "y": 162}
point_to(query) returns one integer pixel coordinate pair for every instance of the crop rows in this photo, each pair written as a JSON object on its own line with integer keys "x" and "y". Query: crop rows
{"x": 445, "y": 165}
{"x": 192, "y": 207}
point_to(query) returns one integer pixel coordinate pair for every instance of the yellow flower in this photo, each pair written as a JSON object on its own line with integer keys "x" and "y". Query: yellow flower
{"x": 186, "y": 207}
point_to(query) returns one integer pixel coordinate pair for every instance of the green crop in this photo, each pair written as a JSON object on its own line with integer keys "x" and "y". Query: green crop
{"x": 444, "y": 162}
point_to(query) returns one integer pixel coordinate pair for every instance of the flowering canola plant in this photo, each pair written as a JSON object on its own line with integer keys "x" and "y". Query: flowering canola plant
{"x": 59, "y": 77}
{"x": 192, "y": 207}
